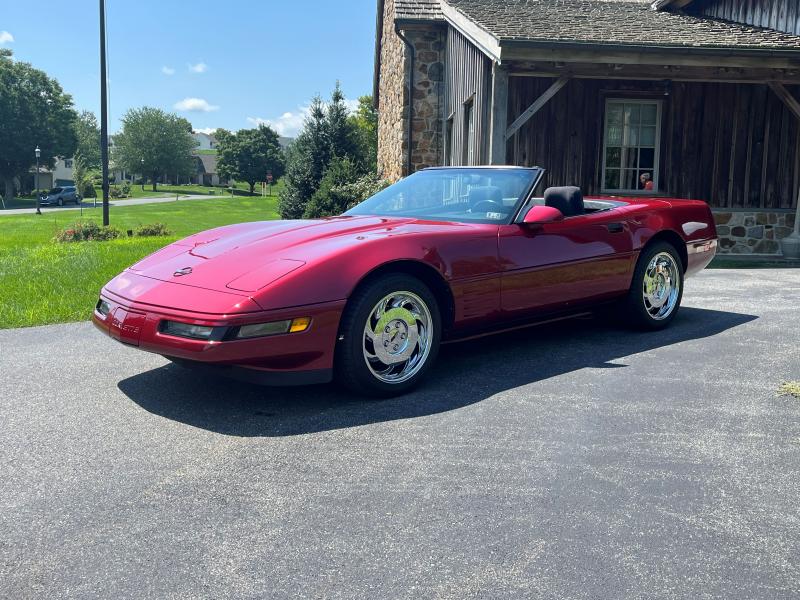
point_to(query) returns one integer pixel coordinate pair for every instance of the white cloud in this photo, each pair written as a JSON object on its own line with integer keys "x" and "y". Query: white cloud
{"x": 200, "y": 67}
{"x": 206, "y": 130}
{"x": 167, "y": 70}
{"x": 290, "y": 123}
{"x": 195, "y": 105}
{"x": 5, "y": 37}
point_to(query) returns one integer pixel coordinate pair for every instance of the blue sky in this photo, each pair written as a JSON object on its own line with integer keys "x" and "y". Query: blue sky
{"x": 219, "y": 64}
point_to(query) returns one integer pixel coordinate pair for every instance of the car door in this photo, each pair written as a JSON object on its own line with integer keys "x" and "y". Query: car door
{"x": 574, "y": 261}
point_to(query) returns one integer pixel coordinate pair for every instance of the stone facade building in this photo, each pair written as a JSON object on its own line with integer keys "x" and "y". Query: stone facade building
{"x": 671, "y": 98}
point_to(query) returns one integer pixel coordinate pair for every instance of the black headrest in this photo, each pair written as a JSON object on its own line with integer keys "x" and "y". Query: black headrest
{"x": 487, "y": 192}
{"x": 567, "y": 199}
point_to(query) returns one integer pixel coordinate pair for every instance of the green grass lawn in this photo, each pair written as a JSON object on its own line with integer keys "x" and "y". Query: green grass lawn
{"x": 43, "y": 282}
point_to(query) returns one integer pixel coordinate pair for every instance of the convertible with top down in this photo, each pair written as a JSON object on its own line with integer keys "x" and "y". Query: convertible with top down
{"x": 367, "y": 297}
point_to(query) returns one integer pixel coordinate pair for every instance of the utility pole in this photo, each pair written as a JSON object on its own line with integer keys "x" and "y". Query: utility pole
{"x": 103, "y": 110}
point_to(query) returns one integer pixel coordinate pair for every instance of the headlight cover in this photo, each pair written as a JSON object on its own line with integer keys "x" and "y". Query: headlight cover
{"x": 274, "y": 328}
{"x": 186, "y": 330}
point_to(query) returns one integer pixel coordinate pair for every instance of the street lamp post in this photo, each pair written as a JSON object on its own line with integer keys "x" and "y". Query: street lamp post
{"x": 38, "y": 154}
{"x": 142, "y": 173}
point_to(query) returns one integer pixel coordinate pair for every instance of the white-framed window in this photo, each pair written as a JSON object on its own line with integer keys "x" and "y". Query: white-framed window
{"x": 67, "y": 163}
{"x": 631, "y": 145}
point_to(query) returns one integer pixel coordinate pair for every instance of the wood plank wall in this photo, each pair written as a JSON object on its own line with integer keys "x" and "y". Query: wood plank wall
{"x": 469, "y": 75}
{"x": 732, "y": 145}
{"x": 783, "y": 15}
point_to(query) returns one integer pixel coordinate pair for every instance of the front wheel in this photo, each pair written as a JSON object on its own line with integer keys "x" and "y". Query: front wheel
{"x": 657, "y": 288}
{"x": 389, "y": 336}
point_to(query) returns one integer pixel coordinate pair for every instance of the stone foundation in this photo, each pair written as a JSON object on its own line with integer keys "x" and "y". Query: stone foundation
{"x": 753, "y": 232}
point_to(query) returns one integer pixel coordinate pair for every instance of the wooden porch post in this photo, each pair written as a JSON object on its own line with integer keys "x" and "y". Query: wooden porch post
{"x": 499, "y": 115}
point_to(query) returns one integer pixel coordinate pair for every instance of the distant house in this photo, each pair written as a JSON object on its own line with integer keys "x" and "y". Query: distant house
{"x": 60, "y": 174}
{"x": 207, "y": 171}
{"x": 699, "y": 98}
{"x": 205, "y": 141}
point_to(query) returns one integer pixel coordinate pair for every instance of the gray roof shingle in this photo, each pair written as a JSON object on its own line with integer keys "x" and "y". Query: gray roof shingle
{"x": 418, "y": 10}
{"x": 614, "y": 22}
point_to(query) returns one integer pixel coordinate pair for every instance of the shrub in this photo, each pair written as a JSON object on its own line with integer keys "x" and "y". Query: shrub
{"x": 342, "y": 187}
{"x": 88, "y": 191}
{"x": 87, "y": 232}
{"x": 126, "y": 188}
{"x": 152, "y": 230}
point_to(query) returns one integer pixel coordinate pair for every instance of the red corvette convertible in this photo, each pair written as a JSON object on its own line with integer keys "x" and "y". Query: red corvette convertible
{"x": 367, "y": 297}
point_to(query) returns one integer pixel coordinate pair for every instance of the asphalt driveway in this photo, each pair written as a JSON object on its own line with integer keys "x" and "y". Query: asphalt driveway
{"x": 572, "y": 461}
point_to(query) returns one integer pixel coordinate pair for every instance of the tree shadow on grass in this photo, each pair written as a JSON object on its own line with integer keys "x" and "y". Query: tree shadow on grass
{"x": 465, "y": 373}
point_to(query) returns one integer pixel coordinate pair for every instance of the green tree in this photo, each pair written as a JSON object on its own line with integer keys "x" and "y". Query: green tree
{"x": 87, "y": 132}
{"x": 342, "y": 133}
{"x": 306, "y": 160}
{"x": 155, "y": 143}
{"x": 343, "y": 186}
{"x": 328, "y": 133}
{"x": 34, "y": 111}
{"x": 365, "y": 120}
{"x": 249, "y": 154}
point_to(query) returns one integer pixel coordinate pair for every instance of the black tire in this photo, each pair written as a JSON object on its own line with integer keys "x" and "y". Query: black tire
{"x": 351, "y": 368}
{"x": 61, "y": 202}
{"x": 637, "y": 312}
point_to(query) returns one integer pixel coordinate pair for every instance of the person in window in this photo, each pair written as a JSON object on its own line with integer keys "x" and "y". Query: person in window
{"x": 647, "y": 182}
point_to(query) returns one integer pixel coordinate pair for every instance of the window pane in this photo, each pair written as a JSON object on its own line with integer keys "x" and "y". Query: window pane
{"x": 631, "y": 136}
{"x": 648, "y": 136}
{"x": 629, "y": 158}
{"x": 614, "y": 135}
{"x": 645, "y": 184}
{"x": 647, "y": 158}
{"x": 649, "y": 114}
{"x": 614, "y": 157}
{"x": 615, "y": 114}
{"x": 632, "y": 115}
{"x": 630, "y": 179}
{"x": 612, "y": 179}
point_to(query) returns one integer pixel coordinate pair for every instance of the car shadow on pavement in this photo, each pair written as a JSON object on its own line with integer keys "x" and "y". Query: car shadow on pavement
{"x": 464, "y": 374}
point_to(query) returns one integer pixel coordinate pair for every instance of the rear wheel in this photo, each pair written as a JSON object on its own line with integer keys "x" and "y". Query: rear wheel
{"x": 657, "y": 287}
{"x": 389, "y": 336}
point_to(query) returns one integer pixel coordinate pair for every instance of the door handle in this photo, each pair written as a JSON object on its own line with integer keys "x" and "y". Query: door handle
{"x": 615, "y": 228}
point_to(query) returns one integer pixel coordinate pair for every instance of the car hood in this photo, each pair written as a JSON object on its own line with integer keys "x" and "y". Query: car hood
{"x": 248, "y": 257}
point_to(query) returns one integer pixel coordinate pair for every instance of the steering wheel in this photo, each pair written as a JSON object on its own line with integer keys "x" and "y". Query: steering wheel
{"x": 487, "y": 206}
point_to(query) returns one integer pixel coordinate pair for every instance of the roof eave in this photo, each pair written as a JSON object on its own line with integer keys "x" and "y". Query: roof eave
{"x": 515, "y": 49}
{"x": 665, "y": 4}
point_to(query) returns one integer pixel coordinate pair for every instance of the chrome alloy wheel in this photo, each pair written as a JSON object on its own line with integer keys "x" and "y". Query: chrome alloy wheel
{"x": 661, "y": 286}
{"x": 397, "y": 337}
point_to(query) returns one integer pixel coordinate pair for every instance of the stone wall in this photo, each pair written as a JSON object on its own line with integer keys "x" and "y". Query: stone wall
{"x": 427, "y": 137}
{"x": 392, "y": 100}
{"x": 752, "y": 232}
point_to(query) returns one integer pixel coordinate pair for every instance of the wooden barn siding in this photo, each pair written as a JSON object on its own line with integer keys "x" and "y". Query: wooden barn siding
{"x": 734, "y": 146}
{"x": 469, "y": 74}
{"x": 783, "y": 15}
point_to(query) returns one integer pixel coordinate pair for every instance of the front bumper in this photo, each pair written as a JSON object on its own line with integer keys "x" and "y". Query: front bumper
{"x": 285, "y": 359}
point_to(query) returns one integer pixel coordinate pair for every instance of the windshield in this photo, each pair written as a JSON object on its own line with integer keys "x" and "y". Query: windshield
{"x": 461, "y": 195}
{"x": 55, "y": 191}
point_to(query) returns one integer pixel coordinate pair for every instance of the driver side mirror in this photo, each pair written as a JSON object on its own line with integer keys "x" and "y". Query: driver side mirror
{"x": 541, "y": 215}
